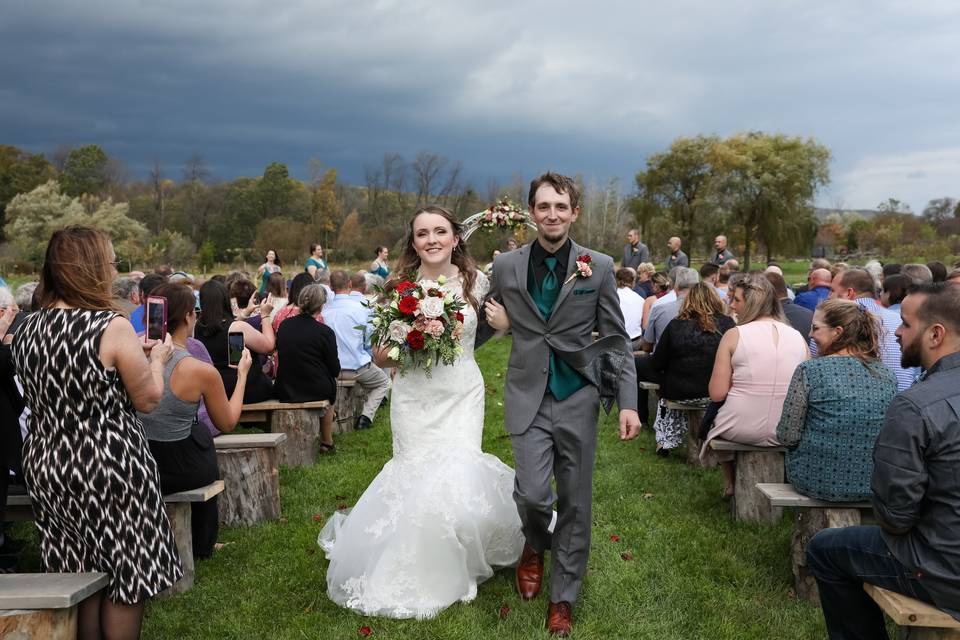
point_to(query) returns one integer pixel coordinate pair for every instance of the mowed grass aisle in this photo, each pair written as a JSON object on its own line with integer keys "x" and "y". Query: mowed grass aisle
{"x": 667, "y": 560}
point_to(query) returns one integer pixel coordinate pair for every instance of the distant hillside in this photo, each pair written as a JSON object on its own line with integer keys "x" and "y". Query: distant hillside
{"x": 822, "y": 213}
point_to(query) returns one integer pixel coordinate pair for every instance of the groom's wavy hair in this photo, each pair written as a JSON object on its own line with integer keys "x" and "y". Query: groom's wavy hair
{"x": 410, "y": 262}
{"x": 560, "y": 184}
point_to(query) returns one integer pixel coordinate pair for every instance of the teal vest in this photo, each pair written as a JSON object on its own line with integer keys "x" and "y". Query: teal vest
{"x": 564, "y": 380}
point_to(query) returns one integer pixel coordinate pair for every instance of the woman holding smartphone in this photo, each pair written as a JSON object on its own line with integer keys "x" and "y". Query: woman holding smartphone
{"x": 182, "y": 446}
{"x": 214, "y": 324}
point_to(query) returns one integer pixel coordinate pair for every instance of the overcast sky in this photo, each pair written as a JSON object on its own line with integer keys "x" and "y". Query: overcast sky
{"x": 505, "y": 87}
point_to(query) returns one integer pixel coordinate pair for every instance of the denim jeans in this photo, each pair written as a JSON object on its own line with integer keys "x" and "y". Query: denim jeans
{"x": 842, "y": 560}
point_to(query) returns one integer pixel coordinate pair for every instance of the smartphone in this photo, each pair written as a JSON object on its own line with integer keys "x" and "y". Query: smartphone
{"x": 234, "y": 348}
{"x": 156, "y": 318}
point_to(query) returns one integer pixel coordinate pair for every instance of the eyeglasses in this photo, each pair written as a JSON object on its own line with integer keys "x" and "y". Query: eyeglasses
{"x": 115, "y": 263}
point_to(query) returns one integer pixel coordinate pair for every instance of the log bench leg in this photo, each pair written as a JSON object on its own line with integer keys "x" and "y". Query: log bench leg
{"x": 49, "y": 624}
{"x": 181, "y": 522}
{"x": 349, "y": 404}
{"x": 748, "y": 504}
{"x": 808, "y": 522}
{"x": 694, "y": 444}
{"x": 302, "y": 427}
{"x": 252, "y": 492}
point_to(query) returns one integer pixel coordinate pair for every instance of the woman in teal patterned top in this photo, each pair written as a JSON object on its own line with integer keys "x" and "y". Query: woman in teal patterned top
{"x": 315, "y": 264}
{"x": 835, "y": 406}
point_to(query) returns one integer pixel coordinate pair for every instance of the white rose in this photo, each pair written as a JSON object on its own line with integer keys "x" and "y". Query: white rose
{"x": 398, "y": 331}
{"x": 431, "y": 307}
{"x": 394, "y": 354}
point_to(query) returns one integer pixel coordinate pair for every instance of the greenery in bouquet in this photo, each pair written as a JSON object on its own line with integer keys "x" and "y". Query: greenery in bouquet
{"x": 420, "y": 324}
{"x": 503, "y": 215}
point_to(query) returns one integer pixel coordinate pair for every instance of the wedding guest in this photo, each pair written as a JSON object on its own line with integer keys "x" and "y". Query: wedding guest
{"x": 87, "y": 466}
{"x": 954, "y": 276}
{"x": 489, "y": 268}
{"x": 635, "y": 253}
{"x": 890, "y": 269}
{"x": 147, "y": 284}
{"x": 857, "y": 285}
{"x": 644, "y": 286}
{"x": 684, "y": 360}
{"x": 660, "y": 286}
{"x": 818, "y": 289}
{"x": 242, "y": 300}
{"x": 753, "y": 367}
{"x": 379, "y": 266}
{"x": 292, "y": 307}
{"x": 308, "y": 362}
{"x": 723, "y": 280}
{"x": 837, "y": 268}
{"x": 710, "y": 274}
{"x": 11, "y": 438}
{"x": 216, "y": 321}
{"x": 677, "y": 257}
{"x": 315, "y": 264}
{"x": 181, "y": 445}
{"x": 835, "y": 405}
{"x": 798, "y": 317}
{"x": 895, "y": 289}
{"x": 512, "y": 244}
{"x": 631, "y": 305}
{"x": 720, "y": 253}
{"x": 126, "y": 294}
{"x": 271, "y": 264}
{"x": 915, "y": 550}
{"x": 918, "y": 273}
{"x": 24, "y": 296}
{"x": 276, "y": 293}
{"x": 660, "y": 316}
{"x": 875, "y": 269}
{"x": 938, "y": 270}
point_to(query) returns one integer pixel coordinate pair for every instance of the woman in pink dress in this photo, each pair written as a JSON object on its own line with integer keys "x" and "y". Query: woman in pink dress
{"x": 753, "y": 368}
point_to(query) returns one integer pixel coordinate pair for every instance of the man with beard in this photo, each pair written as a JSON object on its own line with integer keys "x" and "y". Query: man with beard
{"x": 915, "y": 550}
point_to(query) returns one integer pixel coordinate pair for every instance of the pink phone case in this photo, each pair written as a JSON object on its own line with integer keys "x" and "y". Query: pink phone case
{"x": 156, "y": 301}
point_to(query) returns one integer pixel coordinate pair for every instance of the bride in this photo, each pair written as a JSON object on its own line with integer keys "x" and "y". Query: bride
{"x": 440, "y": 514}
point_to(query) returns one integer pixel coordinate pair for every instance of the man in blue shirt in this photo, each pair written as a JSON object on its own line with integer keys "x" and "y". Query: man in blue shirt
{"x": 818, "y": 289}
{"x": 347, "y": 311}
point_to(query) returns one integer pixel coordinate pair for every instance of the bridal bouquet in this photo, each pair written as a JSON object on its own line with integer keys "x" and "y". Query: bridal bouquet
{"x": 503, "y": 215}
{"x": 420, "y": 323}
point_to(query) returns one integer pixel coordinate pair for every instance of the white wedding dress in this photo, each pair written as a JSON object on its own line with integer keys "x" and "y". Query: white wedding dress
{"x": 440, "y": 515}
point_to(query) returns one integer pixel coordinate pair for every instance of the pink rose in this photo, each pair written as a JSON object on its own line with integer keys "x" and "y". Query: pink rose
{"x": 434, "y": 328}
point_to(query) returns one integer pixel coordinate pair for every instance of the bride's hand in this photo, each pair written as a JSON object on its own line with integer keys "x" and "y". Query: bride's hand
{"x": 382, "y": 360}
{"x": 497, "y": 315}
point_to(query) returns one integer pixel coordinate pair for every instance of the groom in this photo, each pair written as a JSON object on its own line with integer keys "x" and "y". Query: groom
{"x": 555, "y": 294}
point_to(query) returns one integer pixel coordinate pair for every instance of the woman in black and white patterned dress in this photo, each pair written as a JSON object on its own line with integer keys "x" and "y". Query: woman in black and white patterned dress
{"x": 93, "y": 483}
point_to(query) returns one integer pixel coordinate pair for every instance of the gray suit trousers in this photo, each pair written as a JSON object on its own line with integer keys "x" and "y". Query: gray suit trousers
{"x": 560, "y": 443}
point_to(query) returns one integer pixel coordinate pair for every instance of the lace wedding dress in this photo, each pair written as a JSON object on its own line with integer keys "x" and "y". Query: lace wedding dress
{"x": 440, "y": 514}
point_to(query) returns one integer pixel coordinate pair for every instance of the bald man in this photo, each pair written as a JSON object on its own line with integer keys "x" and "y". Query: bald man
{"x": 721, "y": 253}
{"x": 818, "y": 289}
{"x": 677, "y": 257}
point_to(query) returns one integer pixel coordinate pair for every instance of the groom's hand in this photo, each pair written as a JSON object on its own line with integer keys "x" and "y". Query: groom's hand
{"x": 497, "y": 316}
{"x": 629, "y": 424}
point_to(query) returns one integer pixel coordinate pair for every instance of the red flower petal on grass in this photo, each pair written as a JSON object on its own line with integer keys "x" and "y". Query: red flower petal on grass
{"x": 615, "y": 538}
{"x": 365, "y": 631}
{"x": 626, "y": 556}
{"x": 318, "y": 517}
{"x": 504, "y": 611}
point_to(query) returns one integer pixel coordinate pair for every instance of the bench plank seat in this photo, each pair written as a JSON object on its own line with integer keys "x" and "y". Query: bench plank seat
{"x": 273, "y": 405}
{"x": 718, "y": 444}
{"x": 48, "y": 590}
{"x": 784, "y": 495}
{"x": 247, "y": 440}
{"x": 649, "y": 386}
{"x": 196, "y": 495}
{"x": 300, "y": 421}
{"x": 924, "y": 621}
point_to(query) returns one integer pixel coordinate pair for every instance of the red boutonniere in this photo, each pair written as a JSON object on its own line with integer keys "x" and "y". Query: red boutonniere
{"x": 582, "y": 269}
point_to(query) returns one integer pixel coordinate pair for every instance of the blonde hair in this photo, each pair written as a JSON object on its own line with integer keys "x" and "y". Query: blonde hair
{"x": 703, "y": 305}
{"x": 859, "y": 326}
{"x": 759, "y": 299}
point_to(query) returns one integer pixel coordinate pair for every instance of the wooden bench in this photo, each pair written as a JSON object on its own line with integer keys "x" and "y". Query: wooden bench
{"x": 810, "y": 516}
{"x": 178, "y": 512}
{"x": 249, "y": 465}
{"x": 349, "y": 402}
{"x": 299, "y": 420}
{"x": 694, "y": 411}
{"x": 917, "y": 620}
{"x": 649, "y": 386}
{"x": 753, "y": 465}
{"x": 44, "y": 605}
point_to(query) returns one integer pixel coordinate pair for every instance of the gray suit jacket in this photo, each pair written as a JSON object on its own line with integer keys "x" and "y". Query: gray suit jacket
{"x": 584, "y": 305}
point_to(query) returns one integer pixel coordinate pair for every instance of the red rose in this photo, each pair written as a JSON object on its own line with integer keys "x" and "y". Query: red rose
{"x": 585, "y": 258}
{"x": 365, "y": 631}
{"x": 459, "y": 317}
{"x": 405, "y": 286}
{"x": 415, "y": 340}
{"x": 408, "y": 305}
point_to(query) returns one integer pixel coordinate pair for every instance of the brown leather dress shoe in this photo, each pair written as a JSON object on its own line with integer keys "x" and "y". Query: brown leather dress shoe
{"x": 559, "y": 619}
{"x": 529, "y": 573}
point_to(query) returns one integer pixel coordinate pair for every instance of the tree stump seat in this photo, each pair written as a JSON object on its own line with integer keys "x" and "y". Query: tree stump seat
{"x": 178, "y": 512}
{"x": 810, "y": 516}
{"x": 249, "y": 465}
{"x": 300, "y": 421}
{"x": 44, "y": 605}
{"x": 694, "y": 411}
{"x": 753, "y": 465}
{"x": 917, "y": 620}
{"x": 349, "y": 405}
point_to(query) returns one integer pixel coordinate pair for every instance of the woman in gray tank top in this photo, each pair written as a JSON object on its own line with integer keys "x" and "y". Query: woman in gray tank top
{"x": 183, "y": 448}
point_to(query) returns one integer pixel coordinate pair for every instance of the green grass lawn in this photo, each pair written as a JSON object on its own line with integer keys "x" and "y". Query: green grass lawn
{"x": 681, "y": 568}
{"x": 690, "y": 572}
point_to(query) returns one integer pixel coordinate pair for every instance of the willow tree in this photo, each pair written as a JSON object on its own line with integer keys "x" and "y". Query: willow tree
{"x": 768, "y": 183}
{"x": 679, "y": 180}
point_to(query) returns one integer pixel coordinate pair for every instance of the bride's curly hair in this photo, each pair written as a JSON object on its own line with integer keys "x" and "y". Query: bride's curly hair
{"x": 409, "y": 261}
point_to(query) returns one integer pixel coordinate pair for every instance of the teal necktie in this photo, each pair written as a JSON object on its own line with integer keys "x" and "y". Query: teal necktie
{"x": 550, "y": 288}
